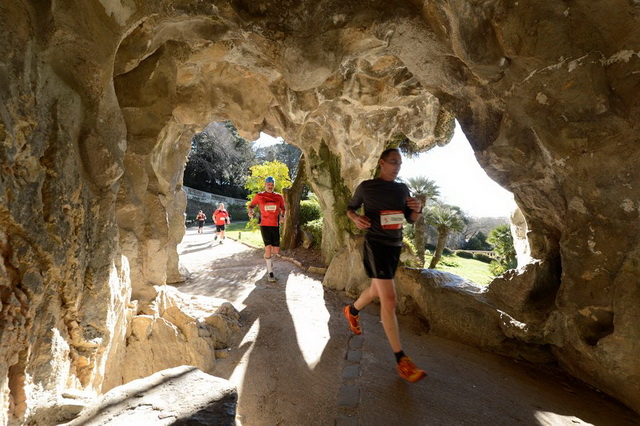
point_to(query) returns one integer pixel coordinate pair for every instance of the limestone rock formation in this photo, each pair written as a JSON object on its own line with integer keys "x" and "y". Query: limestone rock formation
{"x": 99, "y": 100}
{"x": 178, "y": 330}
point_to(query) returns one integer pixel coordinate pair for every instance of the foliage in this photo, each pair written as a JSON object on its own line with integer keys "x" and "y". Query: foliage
{"x": 309, "y": 210}
{"x": 219, "y": 160}
{"x": 259, "y": 172}
{"x": 408, "y": 256}
{"x": 483, "y": 258}
{"x": 408, "y": 243}
{"x": 478, "y": 242}
{"x": 315, "y": 228}
{"x": 238, "y": 212}
{"x": 445, "y": 219}
{"x": 465, "y": 254}
{"x": 502, "y": 240}
{"x": 425, "y": 190}
{"x": 282, "y": 152}
{"x": 497, "y": 268}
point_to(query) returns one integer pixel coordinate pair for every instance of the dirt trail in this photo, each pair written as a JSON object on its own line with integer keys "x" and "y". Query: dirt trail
{"x": 295, "y": 361}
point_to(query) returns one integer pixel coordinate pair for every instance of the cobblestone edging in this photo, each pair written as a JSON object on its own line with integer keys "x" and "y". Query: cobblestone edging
{"x": 349, "y": 392}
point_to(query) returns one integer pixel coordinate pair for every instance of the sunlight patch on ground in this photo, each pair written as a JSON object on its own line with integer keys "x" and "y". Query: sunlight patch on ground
{"x": 548, "y": 418}
{"x": 311, "y": 322}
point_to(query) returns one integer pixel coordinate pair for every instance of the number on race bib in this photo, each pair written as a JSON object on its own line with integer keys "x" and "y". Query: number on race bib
{"x": 391, "y": 219}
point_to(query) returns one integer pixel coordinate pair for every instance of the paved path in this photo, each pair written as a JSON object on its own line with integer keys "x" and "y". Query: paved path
{"x": 295, "y": 361}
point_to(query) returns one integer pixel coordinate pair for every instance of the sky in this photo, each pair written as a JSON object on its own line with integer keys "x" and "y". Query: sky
{"x": 461, "y": 180}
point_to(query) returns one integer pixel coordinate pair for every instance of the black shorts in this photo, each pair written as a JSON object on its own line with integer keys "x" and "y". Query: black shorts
{"x": 380, "y": 260}
{"x": 200, "y": 223}
{"x": 270, "y": 235}
{"x": 220, "y": 228}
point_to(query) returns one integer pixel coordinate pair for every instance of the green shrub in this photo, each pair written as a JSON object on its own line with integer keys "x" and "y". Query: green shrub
{"x": 497, "y": 268}
{"x": 478, "y": 242}
{"x": 408, "y": 243}
{"x": 483, "y": 258}
{"x": 464, "y": 254}
{"x": 408, "y": 256}
{"x": 238, "y": 212}
{"x": 309, "y": 211}
{"x": 315, "y": 228}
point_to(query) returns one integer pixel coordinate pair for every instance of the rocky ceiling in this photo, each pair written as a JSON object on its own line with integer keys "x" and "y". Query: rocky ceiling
{"x": 100, "y": 100}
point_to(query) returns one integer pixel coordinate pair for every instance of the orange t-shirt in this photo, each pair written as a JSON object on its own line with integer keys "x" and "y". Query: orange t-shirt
{"x": 220, "y": 217}
{"x": 271, "y": 204}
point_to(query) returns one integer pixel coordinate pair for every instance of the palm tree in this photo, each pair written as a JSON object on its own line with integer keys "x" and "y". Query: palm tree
{"x": 424, "y": 189}
{"x": 446, "y": 219}
{"x": 502, "y": 241}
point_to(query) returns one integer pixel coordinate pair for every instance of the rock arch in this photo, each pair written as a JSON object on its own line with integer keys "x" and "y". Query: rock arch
{"x": 100, "y": 99}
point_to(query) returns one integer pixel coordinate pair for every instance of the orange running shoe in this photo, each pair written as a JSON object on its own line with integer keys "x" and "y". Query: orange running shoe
{"x": 354, "y": 320}
{"x": 409, "y": 371}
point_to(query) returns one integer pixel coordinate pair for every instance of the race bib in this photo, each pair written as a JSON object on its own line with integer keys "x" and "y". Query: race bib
{"x": 270, "y": 208}
{"x": 391, "y": 219}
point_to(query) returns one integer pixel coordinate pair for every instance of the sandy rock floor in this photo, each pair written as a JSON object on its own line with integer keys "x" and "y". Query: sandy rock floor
{"x": 295, "y": 361}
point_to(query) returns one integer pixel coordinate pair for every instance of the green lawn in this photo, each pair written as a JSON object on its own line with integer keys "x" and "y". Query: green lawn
{"x": 471, "y": 269}
{"x": 237, "y": 231}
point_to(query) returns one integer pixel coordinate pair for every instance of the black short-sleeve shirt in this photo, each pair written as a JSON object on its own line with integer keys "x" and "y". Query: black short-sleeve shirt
{"x": 385, "y": 204}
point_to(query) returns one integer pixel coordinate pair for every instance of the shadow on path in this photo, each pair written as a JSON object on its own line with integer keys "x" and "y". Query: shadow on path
{"x": 286, "y": 359}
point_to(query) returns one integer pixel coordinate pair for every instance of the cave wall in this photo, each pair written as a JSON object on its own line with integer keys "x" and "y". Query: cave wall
{"x": 100, "y": 99}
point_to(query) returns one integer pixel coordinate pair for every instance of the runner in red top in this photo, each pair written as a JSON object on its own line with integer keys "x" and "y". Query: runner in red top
{"x": 220, "y": 218}
{"x": 271, "y": 215}
{"x": 200, "y": 218}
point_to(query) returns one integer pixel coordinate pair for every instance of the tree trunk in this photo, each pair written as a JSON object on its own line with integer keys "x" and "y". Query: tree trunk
{"x": 419, "y": 229}
{"x": 292, "y": 204}
{"x": 442, "y": 239}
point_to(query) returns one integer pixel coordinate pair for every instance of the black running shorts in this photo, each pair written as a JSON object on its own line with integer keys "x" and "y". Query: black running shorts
{"x": 270, "y": 235}
{"x": 219, "y": 228}
{"x": 380, "y": 260}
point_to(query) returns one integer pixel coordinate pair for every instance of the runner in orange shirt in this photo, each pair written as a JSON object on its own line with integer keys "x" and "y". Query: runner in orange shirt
{"x": 220, "y": 218}
{"x": 271, "y": 215}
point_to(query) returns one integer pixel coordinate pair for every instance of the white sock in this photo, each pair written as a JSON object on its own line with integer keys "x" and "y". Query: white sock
{"x": 269, "y": 264}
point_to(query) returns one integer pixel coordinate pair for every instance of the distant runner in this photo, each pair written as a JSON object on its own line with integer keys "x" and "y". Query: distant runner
{"x": 200, "y": 218}
{"x": 220, "y": 218}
